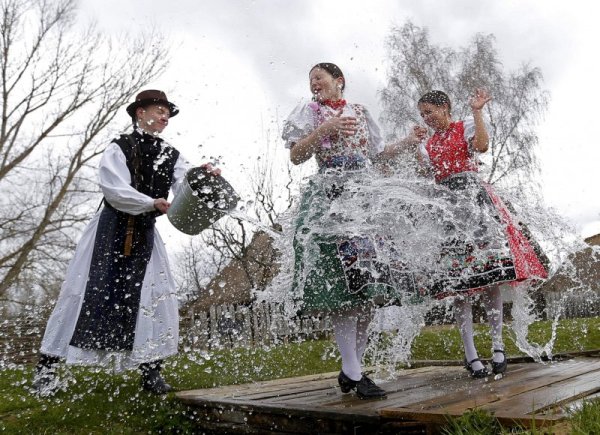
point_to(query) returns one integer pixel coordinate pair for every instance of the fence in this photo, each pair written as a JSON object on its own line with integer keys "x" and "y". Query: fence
{"x": 223, "y": 326}
{"x": 572, "y": 304}
{"x": 226, "y": 326}
{"x": 246, "y": 325}
{"x": 20, "y": 338}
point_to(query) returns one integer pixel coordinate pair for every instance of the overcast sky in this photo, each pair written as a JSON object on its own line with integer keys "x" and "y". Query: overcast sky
{"x": 238, "y": 68}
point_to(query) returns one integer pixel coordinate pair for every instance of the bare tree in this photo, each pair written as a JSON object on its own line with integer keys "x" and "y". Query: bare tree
{"x": 193, "y": 268}
{"x": 60, "y": 90}
{"x": 418, "y": 66}
{"x": 271, "y": 183}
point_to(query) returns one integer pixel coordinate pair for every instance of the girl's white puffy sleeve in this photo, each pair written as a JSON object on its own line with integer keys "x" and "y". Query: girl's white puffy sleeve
{"x": 375, "y": 138}
{"x": 299, "y": 124}
{"x": 469, "y": 130}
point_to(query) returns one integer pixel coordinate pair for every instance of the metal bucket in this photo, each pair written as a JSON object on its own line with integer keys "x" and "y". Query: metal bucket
{"x": 202, "y": 200}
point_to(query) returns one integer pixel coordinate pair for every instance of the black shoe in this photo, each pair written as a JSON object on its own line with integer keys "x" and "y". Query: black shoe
{"x": 346, "y": 384}
{"x": 499, "y": 368}
{"x": 152, "y": 381}
{"x": 45, "y": 382}
{"x": 476, "y": 374}
{"x": 366, "y": 389}
{"x": 156, "y": 386}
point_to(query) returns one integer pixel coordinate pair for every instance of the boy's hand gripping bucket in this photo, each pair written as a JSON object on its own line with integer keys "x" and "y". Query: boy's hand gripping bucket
{"x": 201, "y": 201}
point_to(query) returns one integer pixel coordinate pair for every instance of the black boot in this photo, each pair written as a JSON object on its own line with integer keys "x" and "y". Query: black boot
{"x": 152, "y": 380}
{"x": 499, "y": 368}
{"x": 346, "y": 384}
{"x": 476, "y": 374}
{"x": 45, "y": 381}
{"x": 367, "y": 389}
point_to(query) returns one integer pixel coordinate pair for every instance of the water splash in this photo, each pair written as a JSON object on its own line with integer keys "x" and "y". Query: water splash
{"x": 239, "y": 214}
{"x": 523, "y": 315}
{"x": 407, "y": 220}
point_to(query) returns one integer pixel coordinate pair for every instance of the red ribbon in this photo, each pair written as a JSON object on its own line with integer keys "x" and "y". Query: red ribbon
{"x": 337, "y": 104}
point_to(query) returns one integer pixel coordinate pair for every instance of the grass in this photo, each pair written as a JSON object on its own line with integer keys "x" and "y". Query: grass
{"x": 97, "y": 402}
{"x": 474, "y": 422}
{"x": 443, "y": 342}
{"x": 586, "y": 420}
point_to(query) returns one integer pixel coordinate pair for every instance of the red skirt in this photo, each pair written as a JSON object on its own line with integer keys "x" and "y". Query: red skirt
{"x": 523, "y": 262}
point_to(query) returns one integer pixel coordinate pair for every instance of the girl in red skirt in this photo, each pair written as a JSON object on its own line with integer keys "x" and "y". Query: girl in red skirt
{"x": 482, "y": 245}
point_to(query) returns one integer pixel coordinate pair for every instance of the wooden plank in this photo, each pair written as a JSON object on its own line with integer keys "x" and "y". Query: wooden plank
{"x": 540, "y": 395}
{"x": 326, "y": 393}
{"x": 284, "y": 419}
{"x": 245, "y": 393}
{"x": 505, "y": 388}
{"x": 507, "y": 400}
{"x": 530, "y": 394}
{"x": 288, "y": 409}
{"x": 425, "y": 392}
{"x": 557, "y": 393}
{"x": 578, "y": 403}
{"x": 241, "y": 389}
{"x": 306, "y": 393}
{"x": 481, "y": 392}
{"x": 280, "y": 392}
{"x": 333, "y": 397}
{"x": 407, "y": 389}
{"x": 443, "y": 396}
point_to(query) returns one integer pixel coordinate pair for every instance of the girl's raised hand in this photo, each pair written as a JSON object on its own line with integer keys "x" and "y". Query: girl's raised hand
{"x": 479, "y": 100}
{"x": 418, "y": 133}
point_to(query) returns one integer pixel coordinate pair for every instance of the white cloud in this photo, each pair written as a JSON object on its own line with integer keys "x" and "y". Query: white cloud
{"x": 239, "y": 64}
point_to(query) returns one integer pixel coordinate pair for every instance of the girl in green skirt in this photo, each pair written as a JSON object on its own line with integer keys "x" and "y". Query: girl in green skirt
{"x": 337, "y": 269}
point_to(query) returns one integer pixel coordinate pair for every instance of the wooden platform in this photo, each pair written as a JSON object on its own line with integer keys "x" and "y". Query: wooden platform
{"x": 419, "y": 400}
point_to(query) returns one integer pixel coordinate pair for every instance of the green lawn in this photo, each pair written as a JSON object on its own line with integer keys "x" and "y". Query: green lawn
{"x": 444, "y": 342}
{"x": 97, "y": 402}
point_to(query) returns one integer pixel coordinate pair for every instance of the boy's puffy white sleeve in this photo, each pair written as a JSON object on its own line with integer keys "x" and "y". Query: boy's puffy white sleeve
{"x": 182, "y": 165}
{"x": 115, "y": 183}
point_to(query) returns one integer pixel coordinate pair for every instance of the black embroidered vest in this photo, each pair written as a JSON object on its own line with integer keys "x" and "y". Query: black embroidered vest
{"x": 156, "y": 166}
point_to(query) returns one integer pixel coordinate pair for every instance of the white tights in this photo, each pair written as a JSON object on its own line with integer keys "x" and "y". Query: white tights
{"x": 350, "y": 328}
{"x": 463, "y": 312}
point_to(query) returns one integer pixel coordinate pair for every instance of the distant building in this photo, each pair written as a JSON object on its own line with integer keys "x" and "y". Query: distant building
{"x": 235, "y": 283}
{"x": 575, "y": 287}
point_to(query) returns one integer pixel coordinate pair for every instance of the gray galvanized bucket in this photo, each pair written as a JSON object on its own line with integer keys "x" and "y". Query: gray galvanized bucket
{"x": 202, "y": 200}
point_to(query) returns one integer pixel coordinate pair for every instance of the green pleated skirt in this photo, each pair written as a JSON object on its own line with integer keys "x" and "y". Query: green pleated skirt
{"x": 321, "y": 282}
